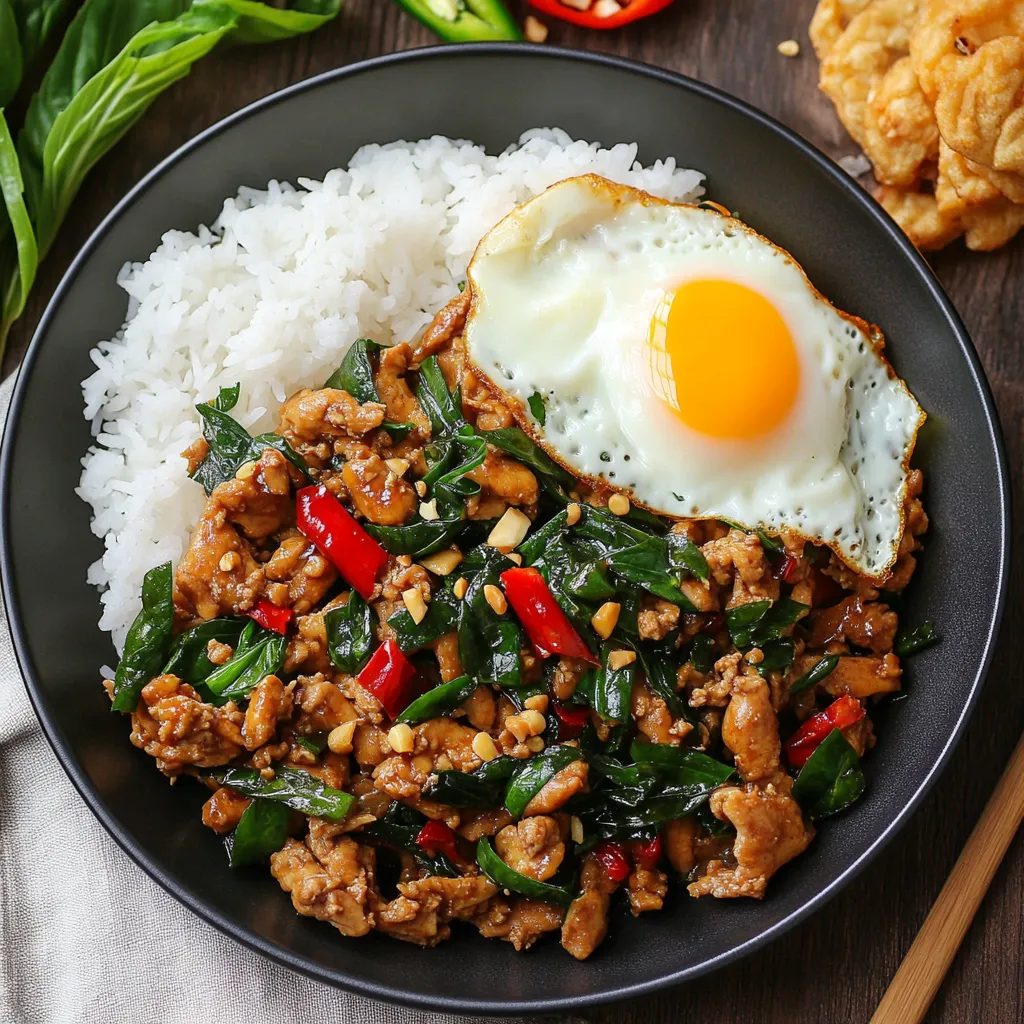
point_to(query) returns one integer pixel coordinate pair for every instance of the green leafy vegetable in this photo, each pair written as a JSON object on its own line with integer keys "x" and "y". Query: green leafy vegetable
{"x": 688, "y": 767}
{"x": 440, "y": 405}
{"x": 261, "y": 831}
{"x": 778, "y": 654}
{"x": 441, "y": 699}
{"x": 115, "y": 59}
{"x": 910, "y": 641}
{"x": 231, "y": 445}
{"x": 682, "y": 552}
{"x": 351, "y": 634}
{"x": 292, "y": 787}
{"x": 227, "y": 398}
{"x": 19, "y": 253}
{"x": 702, "y": 653}
{"x": 483, "y": 788}
{"x": 398, "y": 828}
{"x": 148, "y": 641}
{"x": 355, "y": 375}
{"x": 756, "y": 623}
{"x": 521, "y": 446}
{"x": 505, "y": 878}
{"x": 831, "y": 779}
{"x": 260, "y": 653}
{"x": 538, "y": 409}
{"x": 822, "y": 670}
{"x": 442, "y": 617}
{"x": 612, "y": 688}
{"x": 535, "y": 774}
{"x": 188, "y": 659}
{"x": 489, "y": 644}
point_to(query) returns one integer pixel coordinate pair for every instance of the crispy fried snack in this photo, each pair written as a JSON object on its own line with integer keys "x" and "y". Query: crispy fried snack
{"x": 933, "y": 91}
{"x": 969, "y": 57}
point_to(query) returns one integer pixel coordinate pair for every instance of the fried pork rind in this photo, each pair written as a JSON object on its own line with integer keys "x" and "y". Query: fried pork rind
{"x": 900, "y": 136}
{"x": 969, "y": 57}
{"x": 918, "y": 214}
{"x": 873, "y": 42}
{"x": 829, "y": 22}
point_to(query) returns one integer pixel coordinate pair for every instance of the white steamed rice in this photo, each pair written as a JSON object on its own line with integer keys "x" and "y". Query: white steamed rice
{"x": 273, "y": 294}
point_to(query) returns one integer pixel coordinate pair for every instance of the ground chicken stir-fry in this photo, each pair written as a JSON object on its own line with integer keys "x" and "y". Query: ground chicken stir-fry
{"x": 405, "y": 656}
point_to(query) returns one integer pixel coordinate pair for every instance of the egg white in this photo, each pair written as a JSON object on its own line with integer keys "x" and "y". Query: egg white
{"x": 563, "y": 292}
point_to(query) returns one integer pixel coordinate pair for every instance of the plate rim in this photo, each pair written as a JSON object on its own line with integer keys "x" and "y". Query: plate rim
{"x": 340, "y": 978}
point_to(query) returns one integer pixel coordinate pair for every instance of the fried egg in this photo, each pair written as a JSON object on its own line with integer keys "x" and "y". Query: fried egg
{"x": 685, "y": 360}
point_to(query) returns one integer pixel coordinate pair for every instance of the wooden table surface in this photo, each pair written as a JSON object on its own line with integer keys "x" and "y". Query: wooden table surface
{"x": 835, "y": 967}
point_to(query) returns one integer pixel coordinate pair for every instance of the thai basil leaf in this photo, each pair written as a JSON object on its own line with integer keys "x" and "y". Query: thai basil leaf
{"x": 315, "y": 743}
{"x": 756, "y": 623}
{"x": 684, "y": 554}
{"x": 661, "y": 669}
{"x": 11, "y": 59}
{"x": 484, "y": 787}
{"x": 440, "y": 405}
{"x": 19, "y": 253}
{"x": 398, "y": 828}
{"x": 227, "y": 398}
{"x": 822, "y": 670}
{"x": 263, "y": 23}
{"x": 535, "y": 774}
{"x": 505, "y": 878}
{"x": 612, "y": 688}
{"x": 292, "y": 787}
{"x": 538, "y": 409}
{"x": 37, "y": 20}
{"x": 646, "y": 563}
{"x": 397, "y": 431}
{"x": 420, "y": 537}
{"x": 442, "y": 617}
{"x": 687, "y": 767}
{"x": 831, "y": 779}
{"x": 910, "y": 641}
{"x": 355, "y": 375}
{"x": 778, "y": 654}
{"x": 772, "y": 544}
{"x": 259, "y": 654}
{"x": 438, "y": 701}
{"x": 489, "y": 644}
{"x": 261, "y": 831}
{"x": 702, "y": 653}
{"x": 517, "y": 443}
{"x": 231, "y": 445}
{"x": 188, "y": 659}
{"x": 149, "y": 638}
{"x": 351, "y": 634}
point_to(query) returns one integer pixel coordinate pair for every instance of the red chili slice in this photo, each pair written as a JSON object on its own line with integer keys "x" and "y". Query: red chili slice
{"x": 547, "y": 626}
{"x": 647, "y": 852}
{"x": 840, "y": 714}
{"x": 339, "y": 538}
{"x": 785, "y": 569}
{"x": 632, "y": 10}
{"x": 571, "y": 721}
{"x": 436, "y": 837}
{"x": 389, "y": 676}
{"x": 612, "y": 857}
{"x": 269, "y": 616}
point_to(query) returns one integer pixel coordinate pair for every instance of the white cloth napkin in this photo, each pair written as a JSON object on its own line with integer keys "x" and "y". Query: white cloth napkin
{"x": 74, "y": 909}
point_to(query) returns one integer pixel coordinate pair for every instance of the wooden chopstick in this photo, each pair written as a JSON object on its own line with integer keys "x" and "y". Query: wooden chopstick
{"x": 912, "y": 990}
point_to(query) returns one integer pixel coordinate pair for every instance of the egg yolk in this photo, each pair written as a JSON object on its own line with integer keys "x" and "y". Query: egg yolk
{"x": 724, "y": 359}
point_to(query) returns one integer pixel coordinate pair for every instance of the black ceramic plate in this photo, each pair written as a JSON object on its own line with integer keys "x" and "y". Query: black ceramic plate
{"x": 781, "y": 186}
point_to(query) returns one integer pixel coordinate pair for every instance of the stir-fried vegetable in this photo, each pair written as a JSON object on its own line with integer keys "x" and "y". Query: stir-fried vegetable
{"x": 269, "y": 616}
{"x": 389, "y": 676}
{"x": 148, "y": 641}
{"x": 547, "y": 626}
{"x": 292, "y": 787}
{"x": 439, "y": 701}
{"x": 831, "y": 779}
{"x": 339, "y": 537}
{"x": 821, "y": 671}
{"x": 261, "y": 831}
{"x": 260, "y": 653}
{"x": 506, "y": 878}
{"x": 840, "y": 714}
{"x": 351, "y": 630}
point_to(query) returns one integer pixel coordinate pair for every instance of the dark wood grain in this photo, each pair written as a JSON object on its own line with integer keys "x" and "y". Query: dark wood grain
{"x": 835, "y": 967}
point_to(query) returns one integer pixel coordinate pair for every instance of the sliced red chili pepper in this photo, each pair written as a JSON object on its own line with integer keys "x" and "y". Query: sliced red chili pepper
{"x": 632, "y": 10}
{"x": 547, "y": 626}
{"x": 647, "y": 852}
{"x": 269, "y": 616}
{"x": 785, "y": 568}
{"x": 339, "y": 538}
{"x": 436, "y": 837}
{"x": 714, "y": 624}
{"x": 840, "y": 714}
{"x": 389, "y": 676}
{"x": 612, "y": 857}
{"x": 571, "y": 721}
